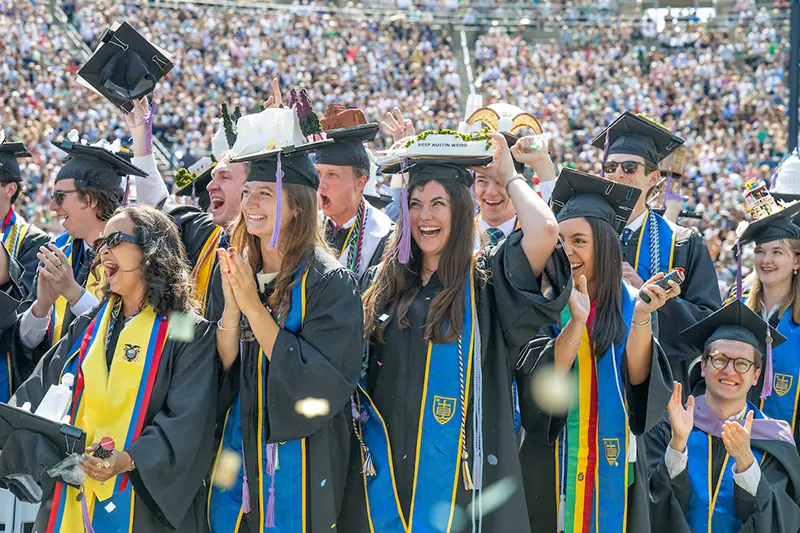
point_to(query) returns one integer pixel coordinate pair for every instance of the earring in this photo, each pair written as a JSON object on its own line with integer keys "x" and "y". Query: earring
{"x": 795, "y": 272}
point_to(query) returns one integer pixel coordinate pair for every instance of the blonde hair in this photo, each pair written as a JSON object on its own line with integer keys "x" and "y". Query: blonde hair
{"x": 754, "y": 302}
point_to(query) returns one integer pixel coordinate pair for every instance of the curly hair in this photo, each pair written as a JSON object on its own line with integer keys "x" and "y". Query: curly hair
{"x": 165, "y": 268}
{"x": 107, "y": 201}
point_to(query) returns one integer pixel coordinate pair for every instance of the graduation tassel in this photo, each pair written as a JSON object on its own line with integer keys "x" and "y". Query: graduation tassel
{"x": 276, "y": 231}
{"x": 245, "y": 486}
{"x": 766, "y": 390}
{"x": 468, "y": 484}
{"x": 738, "y": 270}
{"x": 87, "y": 521}
{"x": 562, "y": 504}
{"x": 369, "y": 467}
{"x": 605, "y": 155}
{"x": 272, "y": 466}
{"x": 403, "y": 246}
{"x": 148, "y": 129}
{"x": 127, "y": 193}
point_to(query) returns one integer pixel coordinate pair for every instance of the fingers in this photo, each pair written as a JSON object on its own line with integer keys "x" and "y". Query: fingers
{"x": 276, "y": 92}
{"x": 49, "y": 255}
{"x": 59, "y": 253}
{"x": 748, "y": 423}
{"x": 582, "y": 285}
{"x": 500, "y": 141}
{"x": 225, "y": 266}
{"x": 653, "y": 279}
{"x": 674, "y": 289}
{"x": 270, "y": 103}
{"x": 677, "y": 390}
{"x": 690, "y": 402}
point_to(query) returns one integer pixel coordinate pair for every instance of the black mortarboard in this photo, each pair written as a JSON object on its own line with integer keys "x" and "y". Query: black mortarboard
{"x": 296, "y": 166}
{"x": 774, "y": 227}
{"x": 96, "y": 165}
{"x": 421, "y": 171}
{"x": 10, "y": 152}
{"x": 512, "y": 139}
{"x": 578, "y": 194}
{"x": 348, "y": 148}
{"x": 125, "y": 66}
{"x": 635, "y": 135}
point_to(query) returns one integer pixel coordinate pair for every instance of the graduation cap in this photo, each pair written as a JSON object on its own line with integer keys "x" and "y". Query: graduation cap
{"x": 377, "y": 200}
{"x": 773, "y": 221}
{"x": 194, "y": 180}
{"x": 637, "y": 135}
{"x": 578, "y": 194}
{"x": 786, "y": 179}
{"x": 97, "y": 164}
{"x": 737, "y": 322}
{"x": 348, "y": 148}
{"x": 125, "y": 66}
{"x": 10, "y": 152}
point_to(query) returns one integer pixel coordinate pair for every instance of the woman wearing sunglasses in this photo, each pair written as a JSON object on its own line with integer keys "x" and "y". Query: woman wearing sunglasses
{"x": 145, "y": 377}
{"x": 435, "y": 413}
{"x": 606, "y": 344}
{"x": 775, "y": 295}
{"x": 290, "y": 341}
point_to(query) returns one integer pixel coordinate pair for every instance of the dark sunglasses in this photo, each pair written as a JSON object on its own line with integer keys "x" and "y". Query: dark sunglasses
{"x": 740, "y": 364}
{"x": 628, "y": 167}
{"x": 113, "y": 240}
{"x": 58, "y": 196}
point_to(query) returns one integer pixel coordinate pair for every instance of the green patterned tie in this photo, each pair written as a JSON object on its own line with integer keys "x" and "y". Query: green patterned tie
{"x": 495, "y": 235}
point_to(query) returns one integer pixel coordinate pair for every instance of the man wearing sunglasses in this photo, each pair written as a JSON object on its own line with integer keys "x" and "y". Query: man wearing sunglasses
{"x": 719, "y": 463}
{"x": 87, "y": 191}
{"x": 633, "y": 146}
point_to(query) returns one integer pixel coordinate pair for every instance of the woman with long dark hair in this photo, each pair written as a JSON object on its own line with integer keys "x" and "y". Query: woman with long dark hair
{"x": 290, "y": 340}
{"x": 583, "y": 471}
{"x": 139, "y": 380}
{"x": 434, "y": 415}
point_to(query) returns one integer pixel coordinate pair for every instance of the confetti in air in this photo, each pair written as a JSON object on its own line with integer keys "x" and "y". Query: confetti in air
{"x": 227, "y": 469}
{"x": 494, "y": 496}
{"x": 312, "y": 407}
{"x": 440, "y": 516}
{"x": 552, "y": 390}
{"x": 181, "y": 327}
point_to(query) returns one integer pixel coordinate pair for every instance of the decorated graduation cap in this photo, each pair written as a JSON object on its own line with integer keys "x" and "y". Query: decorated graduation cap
{"x": 125, "y": 66}
{"x": 277, "y": 142}
{"x": 507, "y": 119}
{"x": 102, "y": 164}
{"x": 10, "y": 152}
{"x": 349, "y": 130}
{"x": 193, "y": 181}
{"x": 737, "y": 322}
{"x": 786, "y": 179}
{"x": 578, "y": 194}
{"x": 637, "y": 135}
{"x": 772, "y": 221}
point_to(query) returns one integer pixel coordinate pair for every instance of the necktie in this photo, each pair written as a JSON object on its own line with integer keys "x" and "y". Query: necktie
{"x": 495, "y": 235}
{"x": 626, "y": 236}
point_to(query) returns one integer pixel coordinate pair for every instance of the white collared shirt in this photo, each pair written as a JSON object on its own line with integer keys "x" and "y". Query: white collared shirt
{"x": 506, "y": 227}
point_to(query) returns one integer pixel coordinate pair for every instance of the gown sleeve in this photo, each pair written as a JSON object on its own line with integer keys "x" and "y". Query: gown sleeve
{"x": 323, "y": 361}
{"x": 34, "y": 239}
{"x": 669, "y": 498}
{"x": 195, "y": 225}
{"x": 174, "y": 452}
{"x": 647, "y": 402}
{"x": 539, "y": 353}
{"x": 522, "y": 302}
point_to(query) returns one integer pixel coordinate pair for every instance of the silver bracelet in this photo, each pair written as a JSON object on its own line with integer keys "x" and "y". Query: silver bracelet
{"x": 514, "y": 178}
{"x": 575, "y": 344}
{"x": 222, "y": 328}
{"x": 642, "y": 324}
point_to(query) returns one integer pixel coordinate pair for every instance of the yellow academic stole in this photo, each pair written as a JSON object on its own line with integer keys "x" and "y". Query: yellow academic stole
{"x": 57, "y": 327}
{"x": 110, "y": 403}
{"x": 201, "y": 273}
{"x": 14, "y": 231}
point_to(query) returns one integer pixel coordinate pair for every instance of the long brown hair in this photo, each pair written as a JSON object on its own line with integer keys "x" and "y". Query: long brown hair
{"x": 793, "y": 300}
{"x": 297, "y": 242}
{"x": 396, "y": 285}
{"x": 609, "y": 326}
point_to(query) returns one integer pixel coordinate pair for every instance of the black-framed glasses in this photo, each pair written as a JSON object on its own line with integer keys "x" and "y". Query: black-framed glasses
{"x": 740, "y": 364}
{"x": 58, "y": 196}
{"x": 628, "y": 167}
{"x": 113, "y": 240}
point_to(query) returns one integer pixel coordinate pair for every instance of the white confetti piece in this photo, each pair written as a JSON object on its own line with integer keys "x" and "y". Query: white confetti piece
{"x": 312, "y": 407}
{"x": 110, "y": 507}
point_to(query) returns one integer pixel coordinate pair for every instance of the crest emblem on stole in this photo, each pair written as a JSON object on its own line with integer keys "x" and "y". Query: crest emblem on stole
{"x": 782, "y": 383}
{"x": 611, "y": 448}
{"x": 443, "y": 409}
{"x": 130, "y": 353}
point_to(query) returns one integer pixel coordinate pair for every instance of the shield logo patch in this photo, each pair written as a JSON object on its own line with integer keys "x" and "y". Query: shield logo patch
{"x": 782, "y": 383}
{"x": 611, "y": 448}
{"x": 443, "y": 409}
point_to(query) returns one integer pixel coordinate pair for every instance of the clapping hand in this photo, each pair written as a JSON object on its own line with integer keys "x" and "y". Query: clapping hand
{"x": 681, "y": 419}
{"x": 238, "y": 275}
{"x": 579, "y": 302}
{"x": 736, "y": 439}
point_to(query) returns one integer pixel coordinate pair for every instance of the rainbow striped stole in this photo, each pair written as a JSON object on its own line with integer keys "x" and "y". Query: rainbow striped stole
{"x": 287, "y": 485}
{"x": 592, "y": 470}
{"x": 109, "y": 402}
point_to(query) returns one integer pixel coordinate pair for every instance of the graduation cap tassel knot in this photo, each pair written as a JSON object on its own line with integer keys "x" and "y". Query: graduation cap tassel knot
{"x": 276, "y": 231}
{"x": 87, "y": 521}
{"x": 766, "y": 390}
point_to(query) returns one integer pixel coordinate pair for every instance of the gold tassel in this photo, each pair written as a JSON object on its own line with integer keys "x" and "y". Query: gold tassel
{"x": 468, "y": 485}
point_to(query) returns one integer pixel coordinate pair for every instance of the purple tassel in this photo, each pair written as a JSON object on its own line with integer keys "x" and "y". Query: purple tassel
{"x": 738, "y": 270}
{"x": 276, "y": 231}
{"x": 269, "y": 520}
{"x": 148, "y": 129}
{"x": 245, "y": 494}
{"x": 403, "y": 247}
{"x": 605, "y": 156}
{"x": 766, "y": 390}
{"x": 87, "y": 522}
{"x": 126, "y": 195}
{"x": 668, "y": 190}
{"x": 359, "y": 417}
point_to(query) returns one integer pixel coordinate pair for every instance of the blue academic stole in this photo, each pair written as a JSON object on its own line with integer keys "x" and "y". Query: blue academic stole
{"x": 655, "y": 251}
{"x": 592, "y": 471}
{"x": 289, "y": 491}
{"x": 13, "y": 232}
{"x": 711, "y": 509}
{"x": 782, "y": 403}
{"x": 438, "y": 461}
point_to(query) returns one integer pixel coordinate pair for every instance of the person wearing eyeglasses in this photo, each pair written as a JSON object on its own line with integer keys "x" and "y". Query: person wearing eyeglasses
{"x": 719, "y": 463}
{"x": 145, "y": 377}
{"x": 86, "y": 193}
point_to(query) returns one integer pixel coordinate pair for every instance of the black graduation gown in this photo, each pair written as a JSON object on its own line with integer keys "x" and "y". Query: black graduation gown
{"x": 511, "y": 306}
{"x": 322, "y": 361}
{"x": 195, "y": 227}
{"x": 26, "y": 255}
{"x": 646, "y": 403}
{"x": 699, "y": 296}
{"x": 773, "y": 509}
{"x": 175, "y": 449}
{"x": 11, "y": 305}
